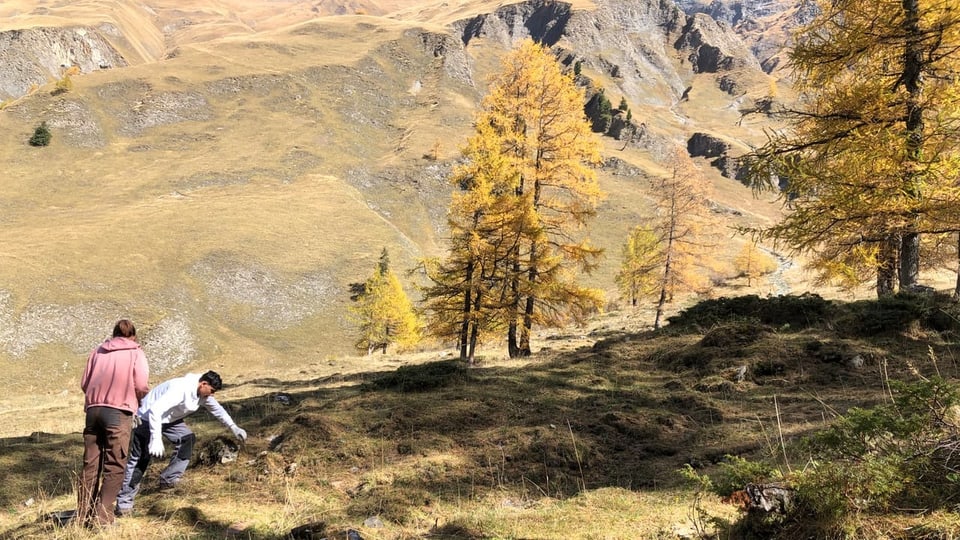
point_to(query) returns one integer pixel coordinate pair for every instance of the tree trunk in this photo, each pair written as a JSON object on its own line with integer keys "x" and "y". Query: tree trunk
{"x": 887, "y": 267}
{"x": 513, "y": 350}
{"x": 513, "y": 347}
{"x": 909, "y": 261}
{"x": 664, "y": 294}
{"x": 523, "y": 348}
{"x": 913, "y": 59}
{"x": 663, "y": 290}
{"x": 473, "y": 345}
{"x": 660, "y": 303}
{"x": 474, "y": 332}
{"x": 956, "y": 289}
{"x": 467, "y": 308}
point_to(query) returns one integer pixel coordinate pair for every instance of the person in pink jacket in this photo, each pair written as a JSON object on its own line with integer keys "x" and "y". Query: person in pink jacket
{"x": 114, "y": 382}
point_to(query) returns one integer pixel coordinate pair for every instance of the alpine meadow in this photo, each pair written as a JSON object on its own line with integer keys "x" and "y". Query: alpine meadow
{"x": 599, "y": 269}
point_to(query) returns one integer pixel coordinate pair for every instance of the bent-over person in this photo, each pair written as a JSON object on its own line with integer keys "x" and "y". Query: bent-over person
{"x": 162, "y": 416}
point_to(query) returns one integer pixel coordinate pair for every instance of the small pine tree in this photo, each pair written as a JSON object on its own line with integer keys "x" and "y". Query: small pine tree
{"x": 623, "y": 104}
{"x": 384, "y": 313}
{"x": 41, "y": 135}
{"x": 600, "y": 111}
{"x": 577, "y": 68}
{"x": 606, "y": 111}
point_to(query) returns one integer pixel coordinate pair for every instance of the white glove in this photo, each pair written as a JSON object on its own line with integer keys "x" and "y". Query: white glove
{"x": 156, "y": 447}
{"x": 137, "y": 421}
{"x": 238, "y": 432}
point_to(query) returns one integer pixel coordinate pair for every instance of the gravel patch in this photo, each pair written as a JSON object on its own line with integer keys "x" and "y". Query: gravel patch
{"x": 252, "y": 294}
{"x": 74, "y": 121}
{"x": 170, "y": 344}
{"x": 78, "y": 327}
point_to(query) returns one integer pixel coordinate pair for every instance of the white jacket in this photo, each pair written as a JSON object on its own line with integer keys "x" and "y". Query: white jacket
{"x": 175, "y": 399}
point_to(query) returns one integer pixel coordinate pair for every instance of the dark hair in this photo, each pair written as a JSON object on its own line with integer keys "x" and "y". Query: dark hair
{"x": 124, "y": 328}
{"x": 213, "y": 379}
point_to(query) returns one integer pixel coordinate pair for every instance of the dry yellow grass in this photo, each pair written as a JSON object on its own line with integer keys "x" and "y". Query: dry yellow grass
{"x": 582, "y": 440}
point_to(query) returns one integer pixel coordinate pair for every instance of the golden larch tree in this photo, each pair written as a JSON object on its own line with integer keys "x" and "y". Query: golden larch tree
{"x": 753, "y": 263}
{"x": 641, "y": 264}
{"x": 870, "y": 156}
{"x": 384, "y": 313}
{"x": 526, "y": 192}
{"x": 685, "y": 241}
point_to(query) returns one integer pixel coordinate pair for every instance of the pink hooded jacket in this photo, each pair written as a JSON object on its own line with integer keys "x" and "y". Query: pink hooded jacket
{"x": 116, "y": 375}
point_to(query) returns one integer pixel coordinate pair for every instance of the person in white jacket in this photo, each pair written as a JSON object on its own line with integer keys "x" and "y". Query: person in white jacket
{"x": 161, "y": 415}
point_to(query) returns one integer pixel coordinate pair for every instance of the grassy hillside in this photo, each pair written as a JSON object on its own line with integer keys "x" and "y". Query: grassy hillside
{"x": 226, "y": 188}
{"x": 583, "y": 440}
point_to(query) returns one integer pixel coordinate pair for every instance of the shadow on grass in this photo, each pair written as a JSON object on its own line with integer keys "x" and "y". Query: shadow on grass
{"x": 38, "y": 466}
{"x": 626, "y": 413}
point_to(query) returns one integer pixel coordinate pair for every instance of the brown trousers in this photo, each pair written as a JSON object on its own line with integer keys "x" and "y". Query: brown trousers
{"x": 106, "y": 442}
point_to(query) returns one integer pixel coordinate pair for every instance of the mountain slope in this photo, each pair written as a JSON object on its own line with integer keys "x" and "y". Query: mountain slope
{"x": 227, "y": 185}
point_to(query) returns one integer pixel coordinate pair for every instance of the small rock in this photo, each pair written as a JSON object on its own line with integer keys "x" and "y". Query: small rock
{"x": 741, "y": 373}
{"x": 373, "y": 522}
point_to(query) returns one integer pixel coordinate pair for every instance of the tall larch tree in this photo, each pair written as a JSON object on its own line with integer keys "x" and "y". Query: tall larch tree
{"x": 537, "y": 114}
{"x": 870, "y": 158}
{"x": 384, "y": 313}
{"x": 686, "y": 242}
{"x": 525, "y": 194}
{"x": 466, "y": 297}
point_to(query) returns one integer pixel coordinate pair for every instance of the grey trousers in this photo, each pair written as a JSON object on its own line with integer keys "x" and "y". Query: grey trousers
{"x": 182, "y": 439}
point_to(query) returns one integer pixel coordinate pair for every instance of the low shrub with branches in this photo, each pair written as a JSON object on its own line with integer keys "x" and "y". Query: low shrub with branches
{"x": 900, "y": 457}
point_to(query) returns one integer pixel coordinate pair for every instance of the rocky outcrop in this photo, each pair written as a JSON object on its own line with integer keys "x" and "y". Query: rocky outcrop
{"x": 630, "y": 40}
{"x": 764, "y": 25}
{"x": 635, "y": 42}
{"x": 454, "y": 58}
{"x": 543, "y": 20}
{"x": 713, "y": 47}
{"x": 623, "y": 129}
{"x": 640, "y": 58}
{"x": 717, "y": 151}
{"x": 35, "y": 56}
{"x": 705, "y": 145}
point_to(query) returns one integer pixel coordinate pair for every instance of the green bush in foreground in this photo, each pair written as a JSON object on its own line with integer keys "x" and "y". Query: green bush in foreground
{"x": 896, "y": 455}
{"x": 904, "y": 454}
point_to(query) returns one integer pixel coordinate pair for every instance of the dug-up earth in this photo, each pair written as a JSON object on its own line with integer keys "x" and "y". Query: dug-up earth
{"x": 582, "y": 440}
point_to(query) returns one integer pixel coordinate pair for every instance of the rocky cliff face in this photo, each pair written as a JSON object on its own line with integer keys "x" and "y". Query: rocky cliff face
{"x": 35, "y": 56}
{"x": 763, "y": 25}
{"x": 650, "y": 49}
{"x": 638, "y": 42}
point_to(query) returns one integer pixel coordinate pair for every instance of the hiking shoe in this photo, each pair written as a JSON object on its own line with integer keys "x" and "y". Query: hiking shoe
{"x": 165, "y": 486}
{"x": 123, "y": 512}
